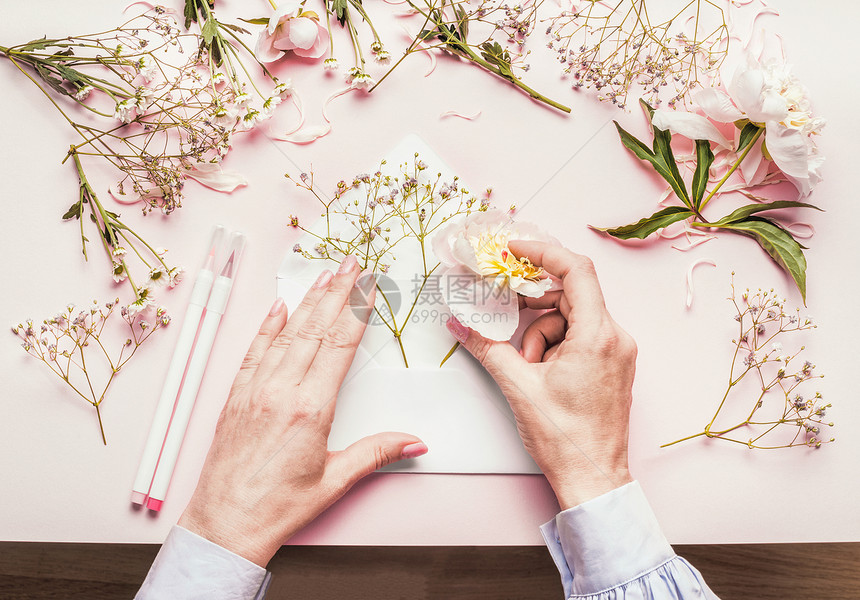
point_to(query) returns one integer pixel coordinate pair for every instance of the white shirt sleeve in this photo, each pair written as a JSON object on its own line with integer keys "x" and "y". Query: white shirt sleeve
{"x": 189, "y": 567}
{"x": 612, "y": 548}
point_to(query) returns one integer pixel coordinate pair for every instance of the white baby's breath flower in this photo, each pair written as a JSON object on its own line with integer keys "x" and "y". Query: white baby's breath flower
{"x": 143, "y": 301}
{"x": 83, "y": 93}
{"x": 270, "y": 103}
{"x": 124, "y": 111}
{"x": 284, "y": 89}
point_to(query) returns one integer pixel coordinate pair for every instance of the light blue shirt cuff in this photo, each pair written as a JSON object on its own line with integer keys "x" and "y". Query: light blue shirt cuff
{"x": 190, "y": 567}
{"x": 612, "y": 547}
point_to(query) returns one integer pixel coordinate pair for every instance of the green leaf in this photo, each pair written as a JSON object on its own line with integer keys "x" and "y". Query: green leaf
{"x": 209, "y": 31}
{"x": 643, "y": 152}
{"x": 39, "y": 44}
{"x": 704, "y": 160}
{"x": 339, "y": 8}
{"x": 747, "y": 135}
{"x": 256, "y": 21}
{"x": 750, "y": 209}
{"x": 190, "y": 12}
{"x": 645, "y": 227}
{"x": 74, "y": 212}
{"x": 779, "y": 244}
{"x": 72, "y": 75}
{"x": 50, "y": 79}
{"x": 236, "y": 28}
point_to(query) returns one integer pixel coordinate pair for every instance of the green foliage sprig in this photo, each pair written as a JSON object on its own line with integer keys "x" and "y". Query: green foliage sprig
{"x": 448, "y": 25}
{"x": 774, "y": 239}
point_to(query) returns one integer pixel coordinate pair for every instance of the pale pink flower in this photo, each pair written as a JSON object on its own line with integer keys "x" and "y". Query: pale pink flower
{"x": 480, "y": 277}
{"x": 293, "y": 29}
{"x": 768, "y": 95}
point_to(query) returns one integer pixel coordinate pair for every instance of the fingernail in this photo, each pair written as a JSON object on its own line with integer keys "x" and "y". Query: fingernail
{"x": 414, "y": 450}
{"x": 366, "y": 282}
{"x": 323, "y": 279}
{"x": 348, "y": 264}
{"x": 458, "y": 330}
{"x": 277, "y": 307}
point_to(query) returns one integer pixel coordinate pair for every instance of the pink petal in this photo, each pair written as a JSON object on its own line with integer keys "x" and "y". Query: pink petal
{"x": 319, "y": 47}
{"x": 285, "y": 11}
{"x": 265, "y": 50}
{"x": 303, "y": 32}
{"x": 690, "y": 125}
{"x": 212, "y": 176}
{"x": 717, "y": 105}
{"x": 491, "y": 310}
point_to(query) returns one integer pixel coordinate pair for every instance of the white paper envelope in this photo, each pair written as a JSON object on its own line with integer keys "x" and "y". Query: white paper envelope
{"x": 457, "y": 409}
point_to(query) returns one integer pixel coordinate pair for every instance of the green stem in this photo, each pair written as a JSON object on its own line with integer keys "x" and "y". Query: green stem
{"x": 732, "y": 169}
{"x": 451, "y": 353}
{"x": 101, "y": 425}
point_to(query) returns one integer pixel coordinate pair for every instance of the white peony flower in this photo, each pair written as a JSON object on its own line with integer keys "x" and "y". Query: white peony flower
{"x": 768, "y": 95}
{"x": 480, "y": 277}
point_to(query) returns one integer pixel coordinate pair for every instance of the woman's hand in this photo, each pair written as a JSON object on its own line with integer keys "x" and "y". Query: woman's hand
{"x": 269, "y": 472}
{"x": 570, "y": 386}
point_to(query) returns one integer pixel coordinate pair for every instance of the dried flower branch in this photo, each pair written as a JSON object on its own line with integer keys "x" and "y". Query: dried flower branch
{"x": 71, "y": 344}
{"x": 762, "y": 318}
{"x": 161, "y": 106}
{"x": 614, "y": 46}
{"x": 409, "y": 206}
{"x": 502, "y": 29}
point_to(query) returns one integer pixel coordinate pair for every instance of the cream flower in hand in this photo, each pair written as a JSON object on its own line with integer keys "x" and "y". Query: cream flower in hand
{"x": 480, "y": 277}
{"x": 767, "y": 94}
{"x": 292, "y": 28}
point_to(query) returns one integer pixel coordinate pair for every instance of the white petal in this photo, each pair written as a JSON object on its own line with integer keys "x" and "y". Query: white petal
{"x": 751, "y": 163}
{"x": 532, "y": 289}
{"x": 211, "y": 175}
{"x": 717, "y": 105}
{"x": 491, "y": 310}
{"x": 752, "y": 95}
{"x": 690, "y": 125}
{"x": 303, "y": 32}
{"x": 789, "y": 149}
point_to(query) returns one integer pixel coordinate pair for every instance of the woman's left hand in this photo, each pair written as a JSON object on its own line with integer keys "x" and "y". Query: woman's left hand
{"x": 269, "y": 471}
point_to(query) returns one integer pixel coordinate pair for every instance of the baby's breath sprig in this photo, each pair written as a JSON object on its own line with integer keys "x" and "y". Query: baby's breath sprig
{"x": 762, "y": 318}
{"x": 394, "y": 210}
{"x": 73, "y": 343}
{"x": 612, "y": 46}
{"x": 502, "y": 29}
{"x": 160, "y": 106}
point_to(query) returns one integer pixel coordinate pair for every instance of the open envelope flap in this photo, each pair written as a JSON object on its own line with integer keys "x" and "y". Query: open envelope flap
{"x": 457, "y": 410}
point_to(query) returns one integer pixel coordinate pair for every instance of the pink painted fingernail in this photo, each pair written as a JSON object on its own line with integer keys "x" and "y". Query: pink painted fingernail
{"x": 458, "y": 330}
{"x": 348, "y": 264}
{"x": 323, "y": 279}
{"x": 277, "y": 307}
{"x": 414, "y": 450}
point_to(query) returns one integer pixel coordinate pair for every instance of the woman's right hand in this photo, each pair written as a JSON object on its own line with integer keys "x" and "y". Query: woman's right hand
{"x": 570, "y": 387}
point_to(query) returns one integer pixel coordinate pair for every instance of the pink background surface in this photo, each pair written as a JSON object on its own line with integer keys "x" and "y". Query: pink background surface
{"x": 61, "y": 484}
